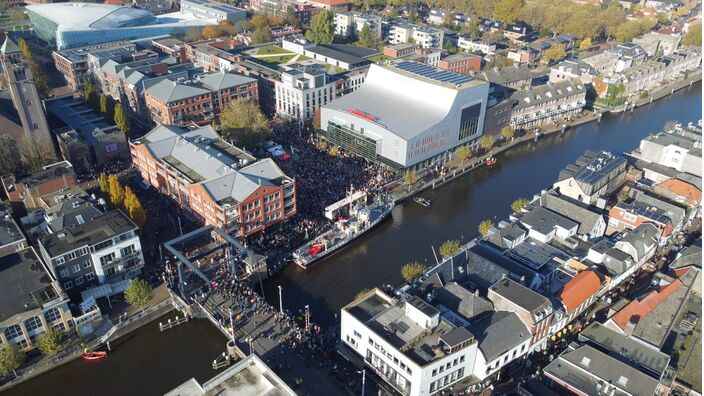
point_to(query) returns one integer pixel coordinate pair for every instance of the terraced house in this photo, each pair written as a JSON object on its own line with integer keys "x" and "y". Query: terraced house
{"x": 197, "y": 101}
{"x": 220, "y": 184}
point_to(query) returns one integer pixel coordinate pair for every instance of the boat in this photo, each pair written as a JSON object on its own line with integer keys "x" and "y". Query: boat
{"x": 422, "y": 201}
{"x": 491, "y": 161}
{"x": 360, "y": 219}
{"x": 94, "y": 355}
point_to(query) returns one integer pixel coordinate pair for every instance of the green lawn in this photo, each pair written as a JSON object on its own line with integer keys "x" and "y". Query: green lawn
{"x": 278, "y": 59}
{"x": 378, "y": 58}
{"x": 272, "y": 49}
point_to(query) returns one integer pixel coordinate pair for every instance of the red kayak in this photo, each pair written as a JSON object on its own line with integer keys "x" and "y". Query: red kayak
{"x": 95, "y": 355}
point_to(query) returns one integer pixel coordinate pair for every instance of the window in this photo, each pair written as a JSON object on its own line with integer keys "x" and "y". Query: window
{"x": 87, "y": 264}
{"x": 79, "y": 280}
{"x": 462, "y": 358}
{"x": 52, "y": 315}
{"x": 68, "y": 285}
{"x": 75, "y": 268}
{"x": 102, "y": 245}
{"x": 33, "y": 323}
{"x": 13, "y": 332}
{"x": 356, "y": 334}
{"x": 435, "y": 372}
{"x": 104, "y": 260}
{"x": 126, "y": 251}
{"x": 63, "y": 273}
{"x": 90, "y": 276}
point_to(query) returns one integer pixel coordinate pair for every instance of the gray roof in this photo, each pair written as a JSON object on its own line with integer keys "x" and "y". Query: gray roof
{"x": 544, "y": 221}
{"x": 485, "y": 267}
{"x": 571, "y": 209}
{"x": 576, "y": 67}
{"x": 507, "y": 75}
{"x": 498, "y": 333}
{"x": 593, "y": 170}
{"x": 70, "y": 212}
{"x": 548, "y": 92}
{"x": 644, "y": 235}
{"x": 637, "y": 354}
{"x": 101, "y": 228}
{"x": 24, "y": 283}
{"x": 9, "y": 230}
{"x": 9, "y": 46}
{"x": 170, "y": 91}
{"x": 674, "y": 212}
{"x": 616, "y": 262}
{"x": 587, "y": 369}
{"x": 689, "y": 256}
{"x": 520, "y": 295}
{"x": 462, "y": 301}
{"x": 222, "y": 80}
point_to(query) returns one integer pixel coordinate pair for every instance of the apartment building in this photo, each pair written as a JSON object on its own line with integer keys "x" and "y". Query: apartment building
{"x": 591, "y": 176}
{"x": 473, "y": 43}
{"x": 426, "y": 37}
{"x": 218, "y": 183}
{"x": 25, "y": 192}
{"x": 197, "y": 101}
{"x": 103, "y": 251}
{"x": 302, "y": 89}
{"x": 350, "y": 24}
{"x": 553, "y": 102}
{"x": 73, "y": 63}
{"x": 461, "y": 63}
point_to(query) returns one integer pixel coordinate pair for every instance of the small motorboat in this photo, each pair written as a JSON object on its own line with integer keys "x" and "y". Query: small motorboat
{"x": 94, "y": 355}
{"x": 422, "y": 201}
{"x": 491, "y": 161}
{"x": 316, "y": 249}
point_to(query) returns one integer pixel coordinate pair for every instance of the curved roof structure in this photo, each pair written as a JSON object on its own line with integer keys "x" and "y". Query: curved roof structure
{"x": 93, "y": 15}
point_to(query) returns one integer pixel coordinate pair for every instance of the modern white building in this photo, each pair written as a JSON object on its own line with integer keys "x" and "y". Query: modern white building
{"x": 408, "y": 343}
{"x": 426, "y": 37}
{"x": 350, "y": 24}
{"x": 213, "y": 10}
{"x": 301, "y": 90}
{"x": 473, "y": 43}
{"x": 407, "y": 115}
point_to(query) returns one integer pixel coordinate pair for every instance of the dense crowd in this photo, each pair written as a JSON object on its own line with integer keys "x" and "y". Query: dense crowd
{"x": 321, "y": 179}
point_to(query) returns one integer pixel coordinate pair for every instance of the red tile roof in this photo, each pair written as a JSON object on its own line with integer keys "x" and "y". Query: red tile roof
{"x": 636, "y": 309}
{"x": 579, "y": 289}
{"x": 330, "y": 2}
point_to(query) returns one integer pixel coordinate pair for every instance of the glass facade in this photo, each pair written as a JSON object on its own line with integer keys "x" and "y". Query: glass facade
{"x": 351, "y": 141}
{"x": 469, "y": 121}
{"x": 44, "y": 28}
{"x": 82, "y": 38}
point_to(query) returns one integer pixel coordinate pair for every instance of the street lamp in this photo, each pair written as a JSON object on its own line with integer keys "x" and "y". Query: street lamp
{"x": 307, "y": 317}
{"x": 281, "y": 304}
{"x": 364, "y": 376}
{"x": 232, "y": 326}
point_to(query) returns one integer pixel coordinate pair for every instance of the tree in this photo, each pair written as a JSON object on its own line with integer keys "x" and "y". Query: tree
{"x": 463, "y": 153}
{"x": 25, "y": 50}
{"x": 507, "y": 132}
{"x": 103, "y": 104}
{"x": 138, "y": 293}
{"x": 472, "y": 27}
{"x": 554, "y": 54}
{"x": 259, "y": 21}
{"x": 487, "y": 142}
{"x": 115, "y": 191}
{"x": 10, "y": 158}
{"x": 694, "y": 35}
{"x": 519, "y": 204}
{"x": 412, "y": 271}
{"x": 410, "y": 178}
{"x": 40, "y": 80}
{"x": 585, "y": 44}
{"x": 261, "y": 35}
{"x": 449, "y": 248}
{"x": 37, "y": 153}
{"x": 321, "y": 28}
{"x": 244, "y": 124}
{"x": 361, "y": 293}
{"x": 89, "y": 95}
{"x": 508, "y": 10}
{"x": 134, "y": 208}
{"x": 622, "y": 196}
{"x": 50, "y": 341}
{"x": 365, "y": 36}
{"x": 192, "y": 35}
{"x": 121, "y": 119}
{"x": 11, "y": 358}
{"x": 485, "y": 226}
{"x": 291, "y": 17}
{"x": 210, "y": 32}
{"x": 103, "y": 183}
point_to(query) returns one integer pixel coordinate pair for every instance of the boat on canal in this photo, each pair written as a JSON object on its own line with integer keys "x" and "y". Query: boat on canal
{"x": 422, "y": 201}
{"x": 353, "y": 218}
{"x": 491, "y": 161}
{"x": 94, "y": 355}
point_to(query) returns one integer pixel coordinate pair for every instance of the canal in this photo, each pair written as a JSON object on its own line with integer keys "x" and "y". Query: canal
{"x": 148, "y": 362}
{"x": 458, "y": 207}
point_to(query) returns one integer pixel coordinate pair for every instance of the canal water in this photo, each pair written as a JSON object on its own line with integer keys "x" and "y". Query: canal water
{"x": 148, "y": 362}
{"x": 145, "y": 362}
{"x": 458, "y": 207}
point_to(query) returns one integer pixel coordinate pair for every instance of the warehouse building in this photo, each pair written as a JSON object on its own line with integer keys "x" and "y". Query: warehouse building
{"x": 407, "y": 115}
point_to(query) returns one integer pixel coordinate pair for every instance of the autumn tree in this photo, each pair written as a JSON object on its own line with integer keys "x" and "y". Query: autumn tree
{"x": 694, "y": 35}
{"x": 115, "y": 191}
{"x": 322, "y": 29}
{"x": 519, "y": 204}
{"x": 11, "y": 358}
{"x": 485, "y": 227}
{"x": 507, "y": 132}
{"x": 260, "y": 21}
{"x": 40, "y": 81}
{"x": 449, "y": 248}
{"x": 291, "y": 17}
{"x": 26, "y": 52}
{"x": 121, "y": 119}
{"x": 585, "y": 44}
{"x": 243, "y": 123}
{"x": 487, "y": 142}
{"x": 463, "y": 153}
{"x": 554, "y": 54}
{"x": 210, "y": 32}
{"x": 89, "y": 95}
{"x": 138, "y": 293}
{"x": 410, "y": 178}
{"x": 37, "y": 153}
{"x": 134, "y": 208}
{"x": 261, "y": 35}
{"x": 361, "y": 293}
{"x": 508, "y": 10}
{"x": 50, "y": 341}
{"x": 192, "y": 35}
{"x": 412, "y": 271}
{"x": 104, "y": 183}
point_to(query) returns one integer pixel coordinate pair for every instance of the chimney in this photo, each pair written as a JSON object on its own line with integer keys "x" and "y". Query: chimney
{"x": 476, "y": 293}
{"x": 630, "y": 326}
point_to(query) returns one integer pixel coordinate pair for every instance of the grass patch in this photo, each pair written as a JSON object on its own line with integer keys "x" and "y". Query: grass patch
{"x": 278, "y": 59}
{"x": 378, "y": 58}
{"x": 303, "y": 58}
{"x": 271, "y": 50}
{"x": 692, "y": 373}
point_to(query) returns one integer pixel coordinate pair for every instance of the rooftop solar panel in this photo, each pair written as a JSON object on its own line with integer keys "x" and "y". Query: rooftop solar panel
{"x": 432, "y": 73}
{"x": 198, "y": 1}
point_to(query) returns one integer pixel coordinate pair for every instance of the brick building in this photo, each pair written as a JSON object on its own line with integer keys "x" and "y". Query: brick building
{"x": 461, "y": 63}
{"x": 199, "y": 101}
{"x": 25, "y": 192}
{"x": 220, "y": 184}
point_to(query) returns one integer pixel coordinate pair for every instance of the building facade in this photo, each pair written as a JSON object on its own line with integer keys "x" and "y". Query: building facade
{"x": 554, "y": 102}
{"x": 302, "y": 90}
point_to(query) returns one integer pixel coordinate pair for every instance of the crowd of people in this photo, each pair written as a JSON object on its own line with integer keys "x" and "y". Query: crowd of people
{"x": 321, "y": 179}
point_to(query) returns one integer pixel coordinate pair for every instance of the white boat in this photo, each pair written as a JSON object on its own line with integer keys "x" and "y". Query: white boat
{"x": 361, "y": 218}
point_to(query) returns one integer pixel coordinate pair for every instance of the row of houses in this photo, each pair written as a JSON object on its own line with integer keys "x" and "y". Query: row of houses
{"x": 532, "y": 282}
